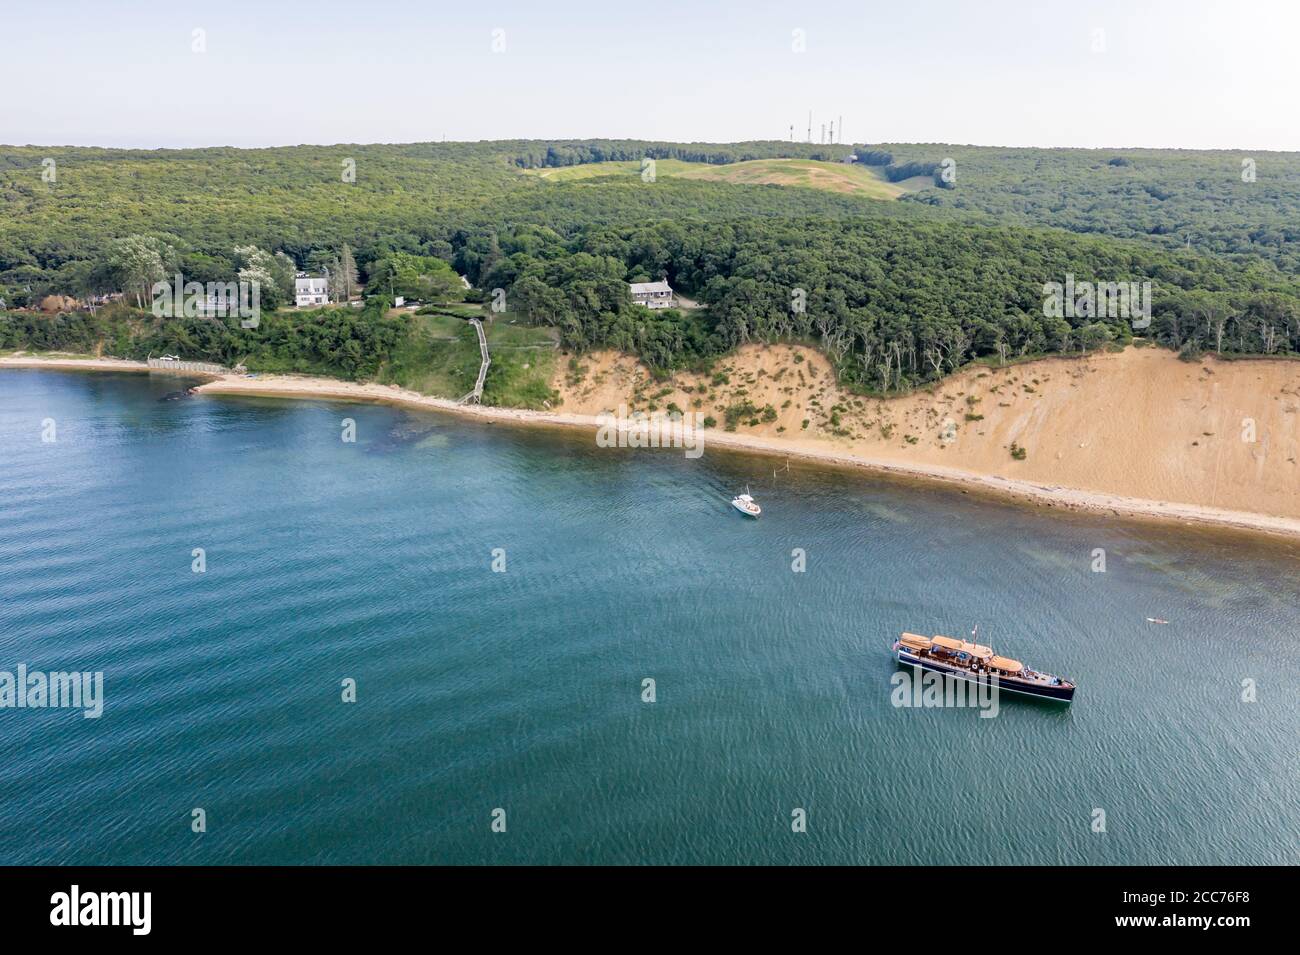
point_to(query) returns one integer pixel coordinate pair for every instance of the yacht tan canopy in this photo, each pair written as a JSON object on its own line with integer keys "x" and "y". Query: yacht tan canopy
{"x": 963, "y": 646}
{"x": 915, "y": 641}
{"x": 1006, "y": 664}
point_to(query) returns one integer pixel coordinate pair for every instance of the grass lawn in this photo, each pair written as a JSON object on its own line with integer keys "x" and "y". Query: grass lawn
{"x": 441, "y": 357}
{"x": 509, "y": 331}
{"x": 458, "y": 309}
{"x": 521, "y": 378}
{"x": 523, "y": 361}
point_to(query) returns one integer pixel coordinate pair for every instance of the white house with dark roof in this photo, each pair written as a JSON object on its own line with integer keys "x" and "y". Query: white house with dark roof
{"x": 652, "y": 294}
{"x": 310, "y": 290}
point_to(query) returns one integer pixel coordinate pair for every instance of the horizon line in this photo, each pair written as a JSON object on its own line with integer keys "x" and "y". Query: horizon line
{"x": 629, "y": 139}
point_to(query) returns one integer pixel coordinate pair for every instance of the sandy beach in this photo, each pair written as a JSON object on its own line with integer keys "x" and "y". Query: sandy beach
{"x": 20, "y": 360}
{"x": 1137, "y": 432}
{"x": 884, "y": 458}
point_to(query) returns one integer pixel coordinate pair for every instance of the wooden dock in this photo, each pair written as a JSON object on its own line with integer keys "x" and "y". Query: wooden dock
{"x": 184, "y": 367}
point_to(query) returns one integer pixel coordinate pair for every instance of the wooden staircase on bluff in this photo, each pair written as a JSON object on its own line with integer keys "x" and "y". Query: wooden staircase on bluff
{"x": 476, "y": 396}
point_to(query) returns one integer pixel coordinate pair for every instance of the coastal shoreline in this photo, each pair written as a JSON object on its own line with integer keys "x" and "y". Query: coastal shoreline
{"x": 73, "y": 364}
{"x": 1075, "y": 500}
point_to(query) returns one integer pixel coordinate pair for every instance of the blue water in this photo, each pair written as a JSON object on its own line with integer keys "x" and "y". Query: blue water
{"x": 521, "y": 690}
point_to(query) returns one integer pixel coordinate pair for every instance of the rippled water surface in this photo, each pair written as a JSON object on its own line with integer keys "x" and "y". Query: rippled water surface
{"x": 522, "y": 690}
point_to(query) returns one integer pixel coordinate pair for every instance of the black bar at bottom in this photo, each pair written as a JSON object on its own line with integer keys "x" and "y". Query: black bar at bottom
{"x": 338, "y": 904}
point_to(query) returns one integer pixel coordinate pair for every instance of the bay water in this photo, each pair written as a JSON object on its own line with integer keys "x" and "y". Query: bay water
{"x": 500, "y": 596}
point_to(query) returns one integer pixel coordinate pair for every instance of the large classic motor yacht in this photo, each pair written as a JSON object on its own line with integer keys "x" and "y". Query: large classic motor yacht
{"x": 965, "y": 660}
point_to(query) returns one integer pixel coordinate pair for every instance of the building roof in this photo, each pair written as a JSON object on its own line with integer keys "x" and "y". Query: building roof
{"x": 648, "y": 288}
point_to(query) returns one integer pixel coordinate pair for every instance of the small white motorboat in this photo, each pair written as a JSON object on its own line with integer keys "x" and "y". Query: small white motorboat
{"x": 745, "y": 504}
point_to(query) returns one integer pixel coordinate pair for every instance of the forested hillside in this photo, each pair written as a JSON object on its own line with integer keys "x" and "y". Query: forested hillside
{"x": 1233, "y": 203}
{"x": 339, "y": 342}
{"x": 207, "y": 201}
{"x": 896, "y": 292}
{"x": 891, "y": 305}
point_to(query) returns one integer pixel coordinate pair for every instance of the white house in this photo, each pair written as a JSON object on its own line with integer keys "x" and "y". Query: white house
{"x": 310, "y": 290}
{"x": 652, "y": 294}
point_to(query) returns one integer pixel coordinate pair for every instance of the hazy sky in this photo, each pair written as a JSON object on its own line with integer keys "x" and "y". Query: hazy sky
{"x": 1189, "y": 73}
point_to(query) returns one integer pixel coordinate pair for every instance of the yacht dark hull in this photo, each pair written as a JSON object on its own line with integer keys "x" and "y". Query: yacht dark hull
{"x": 1008, "y": 684}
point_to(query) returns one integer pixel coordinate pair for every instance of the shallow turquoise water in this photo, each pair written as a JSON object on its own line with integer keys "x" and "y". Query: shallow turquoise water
{"x": 522, "y": 690}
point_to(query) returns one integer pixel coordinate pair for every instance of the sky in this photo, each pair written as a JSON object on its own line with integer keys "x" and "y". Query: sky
{"x": 1169, "y": 73}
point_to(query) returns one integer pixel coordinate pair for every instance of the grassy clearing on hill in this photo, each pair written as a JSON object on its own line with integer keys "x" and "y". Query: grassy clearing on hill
{"x": 807, "y": 173}
{"x": 599, "y": 170}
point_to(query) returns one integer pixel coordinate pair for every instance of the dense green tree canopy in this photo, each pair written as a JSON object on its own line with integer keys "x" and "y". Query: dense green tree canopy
{"x": 896, "y": 292}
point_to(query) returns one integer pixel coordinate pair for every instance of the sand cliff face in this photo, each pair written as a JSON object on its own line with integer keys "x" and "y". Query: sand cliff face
{"x": 1141, "y": 423}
